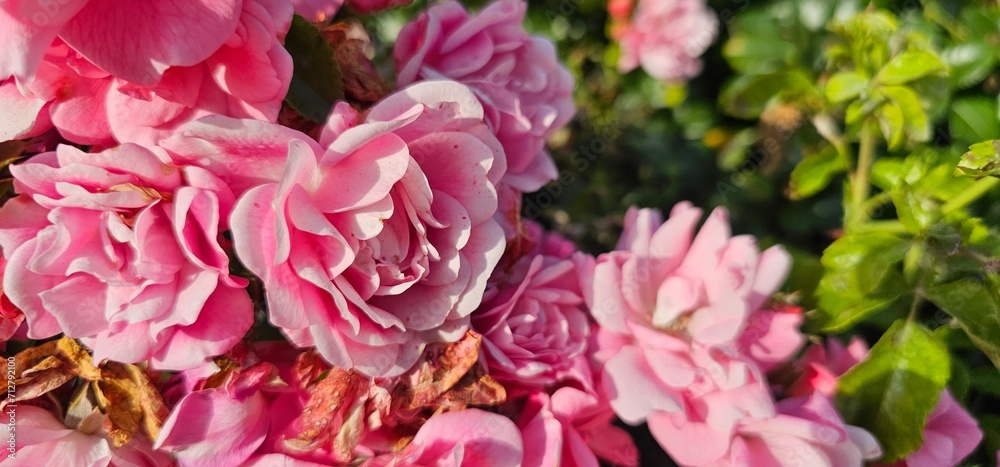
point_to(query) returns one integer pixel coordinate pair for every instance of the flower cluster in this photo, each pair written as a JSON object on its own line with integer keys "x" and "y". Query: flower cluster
{"x": 236, "y": 286}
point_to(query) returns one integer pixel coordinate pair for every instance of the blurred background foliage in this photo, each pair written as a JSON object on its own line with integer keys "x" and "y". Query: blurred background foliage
{"x": 792, "y": 94}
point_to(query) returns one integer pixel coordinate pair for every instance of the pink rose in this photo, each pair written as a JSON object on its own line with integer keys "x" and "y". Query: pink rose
{"x": 44, "y": 441}
{"x": 377, "y": 239}
{"x": 665, "y": 37}
{"x": 373, "y": 6}
{"x": 703, "y": 288}
{"x": 573, "y": 428}
{"x": 805, "y": 431}
{"x": 533, "y": 320}
{"x": 120, "y": 248}
{"x": 526, "y": 92}
{"x": 464, "y": 438}
{"x": 246, "y": 75}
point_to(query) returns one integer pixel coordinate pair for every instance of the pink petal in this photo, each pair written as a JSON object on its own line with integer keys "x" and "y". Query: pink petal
{"x": 161, "y": 33}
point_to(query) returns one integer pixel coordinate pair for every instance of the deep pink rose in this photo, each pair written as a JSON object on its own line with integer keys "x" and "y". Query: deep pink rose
{"x": 44, "y": 441}
{"x": 526, "y": 92}
{"x": 572, "y": 428}
{"x": 375, "y": 240}
{"x": 533, "y": 320}
{"x": 665, "y": 37}
{"x": 120, "y": 249}
{"x": 464, "y": 438}
{"x": 246, "y": 75}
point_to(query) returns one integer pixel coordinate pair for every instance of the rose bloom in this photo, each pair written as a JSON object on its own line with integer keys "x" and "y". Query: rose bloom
{"x": 533, "y": 320}
{"x": 700, "y": 288}
{"x": 237, "y": 67}
{"x": 526, "y": 92}
{"x": 44, "y": 441}
{"x": 664, "y": 37}
{"x": 120, "y": 248}
{"x": 376, "y": 239}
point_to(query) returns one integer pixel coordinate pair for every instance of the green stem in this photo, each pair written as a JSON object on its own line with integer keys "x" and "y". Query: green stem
{"x": 859, "y": 182}
{"x": 970, "y": 195}
{"x": 885, "y": 226}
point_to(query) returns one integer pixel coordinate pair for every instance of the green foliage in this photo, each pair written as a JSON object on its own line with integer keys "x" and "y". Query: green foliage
{"x": 317, "y": 82}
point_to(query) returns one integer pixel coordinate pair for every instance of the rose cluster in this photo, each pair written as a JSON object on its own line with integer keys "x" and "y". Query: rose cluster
{"x": 235, "y": 287}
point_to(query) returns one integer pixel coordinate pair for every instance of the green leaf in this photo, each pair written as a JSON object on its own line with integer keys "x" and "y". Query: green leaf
{"x": 758, "y": 54}
{"x": 915, "y": 120}
{"x": 976, "y": 307}
{"x": 982, "y": 160}
{"x": 845, "y": 86}
{"x": 892, "y": 391}
{"x": 815, "y": 172}
{"x": 969, "y": 62}
{"x": 317, "y": 83}
{"x": 909, "y": 66}
{"x": 915, "y": 209}
{"x": 747, "y": 96}
{"x": 862, "y": 277}
{"x": 974, "y": 119}
{"x": 893, "y": 125}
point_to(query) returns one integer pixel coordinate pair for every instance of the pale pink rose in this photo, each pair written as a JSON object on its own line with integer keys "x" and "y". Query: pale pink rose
{"x": 464, "y": 438}
{"x": 44, "y": 441}
{"x": 805, "y": 431}
{"x": 245, "y": 76}
{"x": 703, "y": 288}
{"x": 526, "y": 92}
{"x": 317, "y": 10}
{"x": 714, "y": 394}
{"x": 373, "y": 6}
{"x": 160, "y": 34}
{"x": 672, "y": 308}
{"x": 533, "y": 320}
{"x": 120, "y": 249}
{"x": 666, "y": 37}
{"x": 374, "y": 241}
{"x": 572, "y": 428}
{"x": 950, "y": 433}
